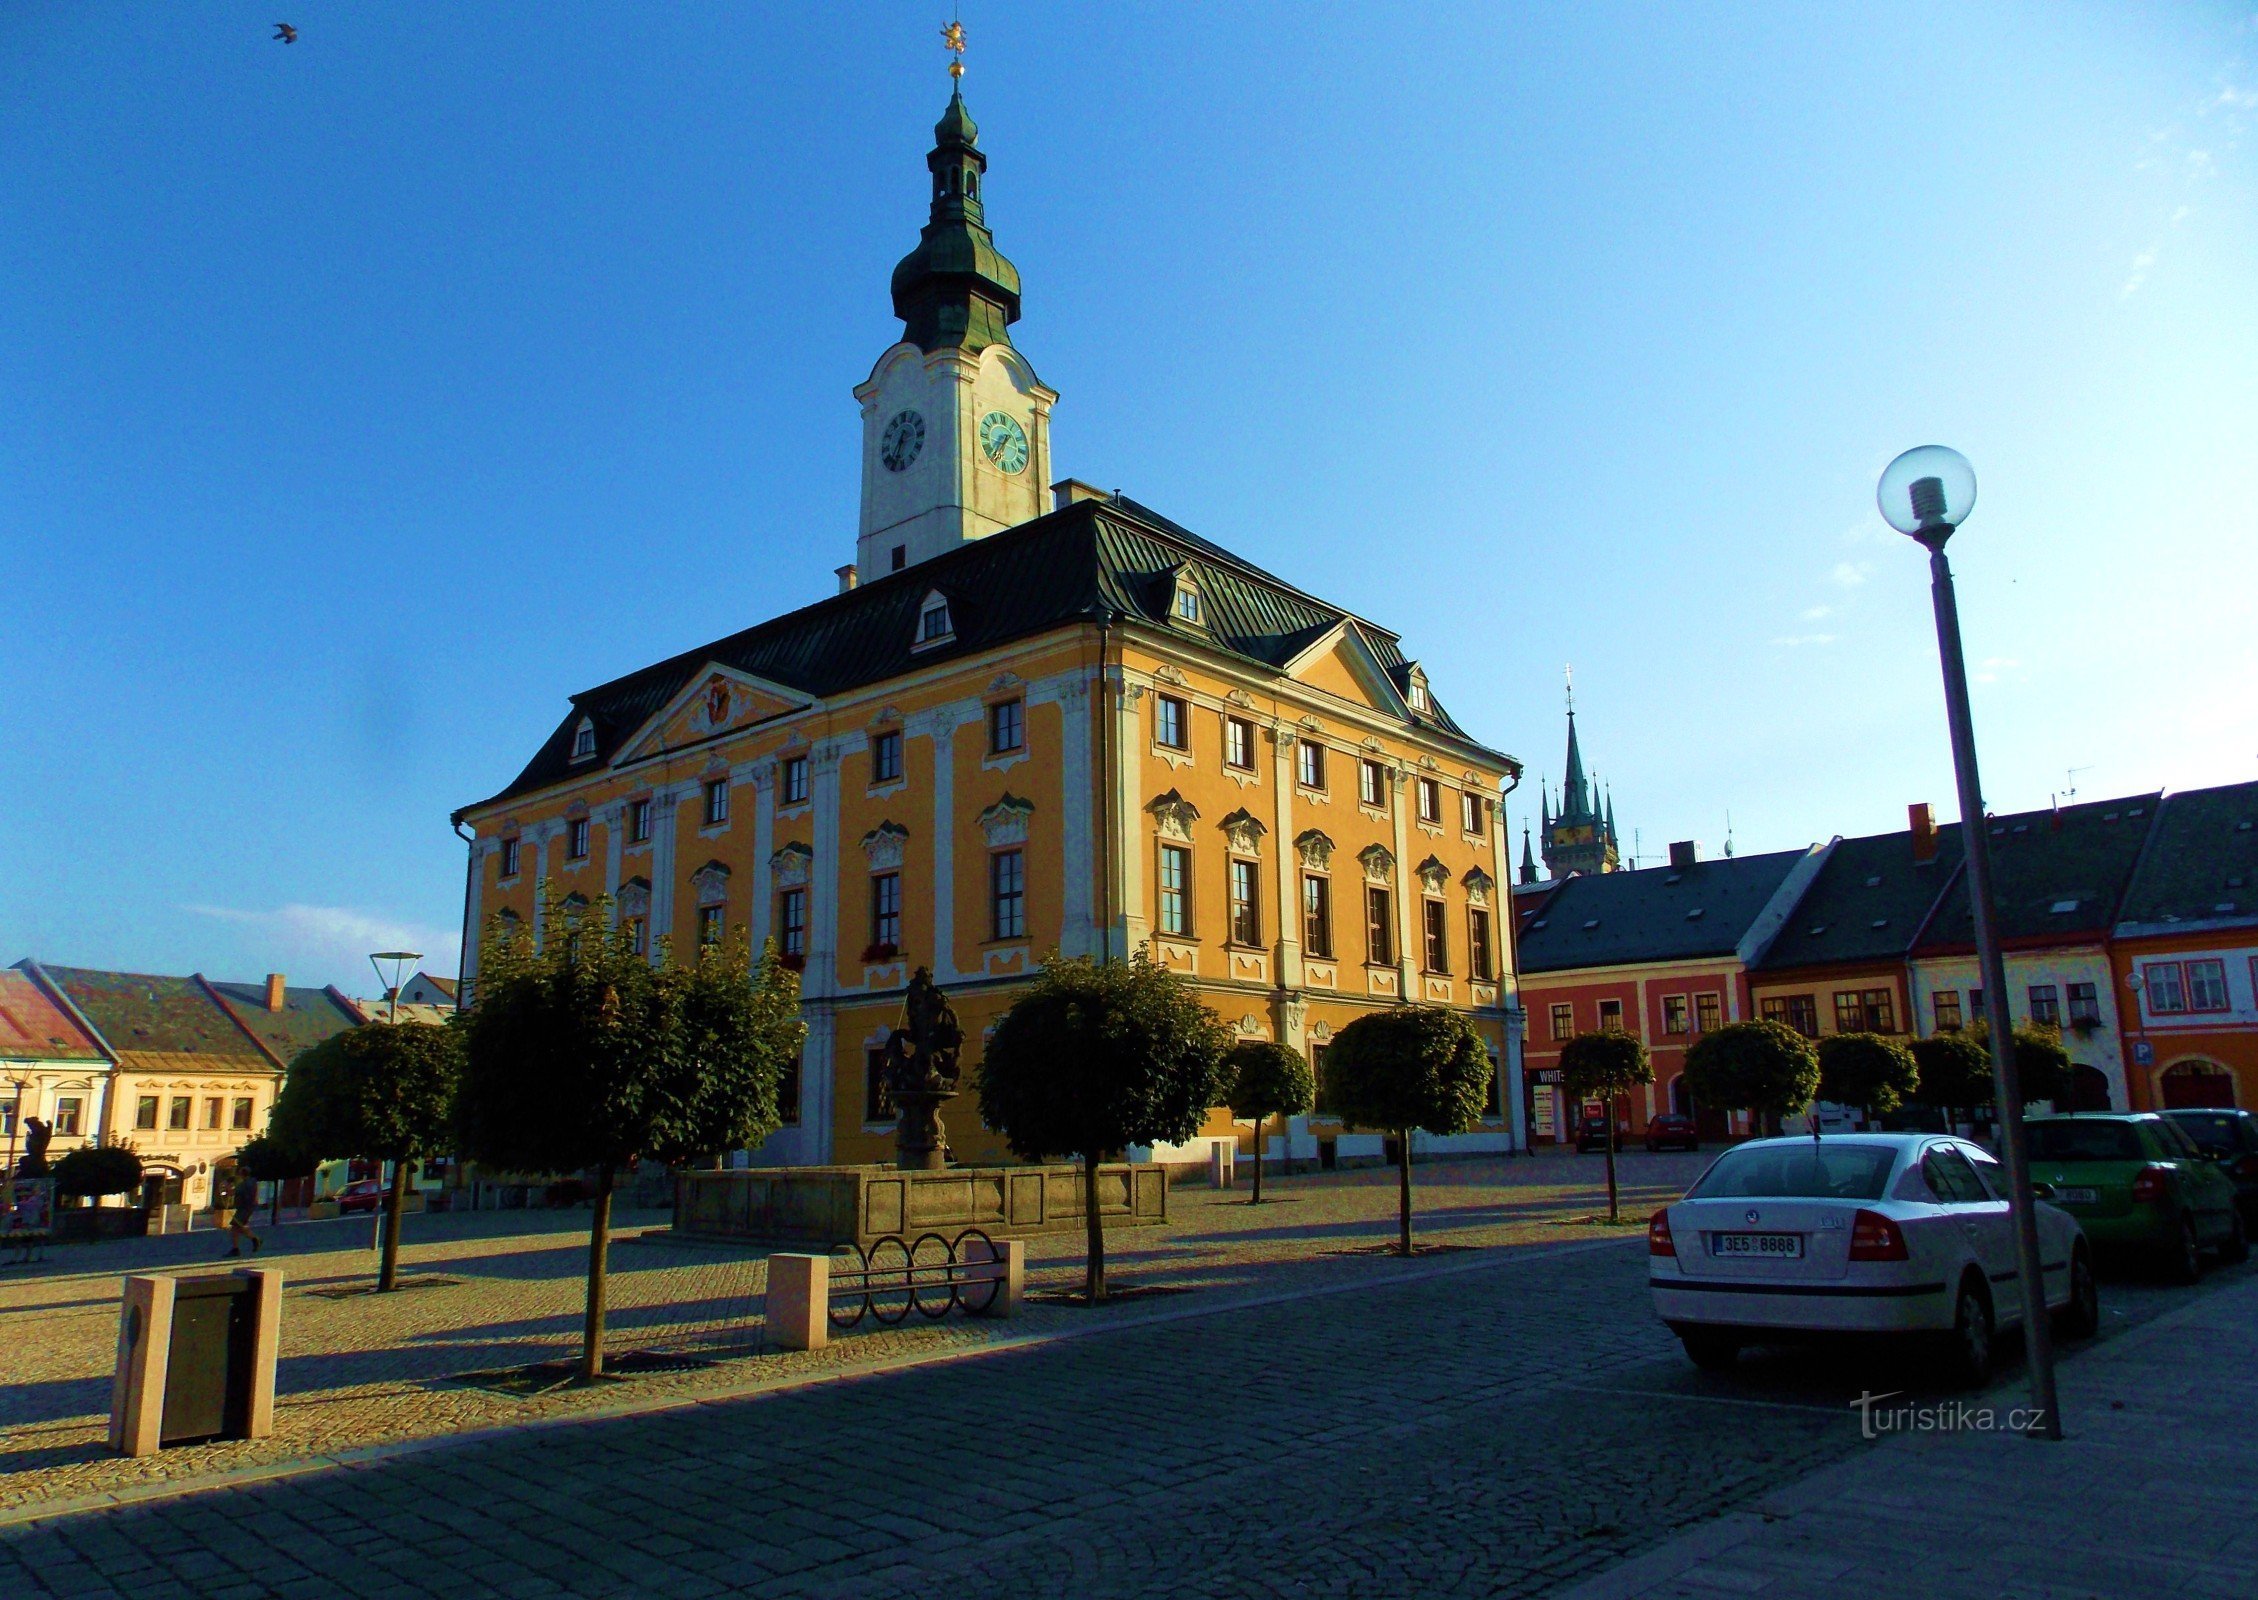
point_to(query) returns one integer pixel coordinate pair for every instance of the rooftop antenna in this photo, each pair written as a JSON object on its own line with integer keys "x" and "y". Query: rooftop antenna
{"x": 2071, "y": 793}
{"x": 1728, "y": 835}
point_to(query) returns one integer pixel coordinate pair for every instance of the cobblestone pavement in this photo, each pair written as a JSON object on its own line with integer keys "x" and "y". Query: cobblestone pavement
{"x": 2148, "y": 1493}
{"x": 498, "y": 1289}
{"x": 1498, "y": 1422}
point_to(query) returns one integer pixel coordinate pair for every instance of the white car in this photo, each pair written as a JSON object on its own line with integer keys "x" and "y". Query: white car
{"x": 1904, "y": 1233}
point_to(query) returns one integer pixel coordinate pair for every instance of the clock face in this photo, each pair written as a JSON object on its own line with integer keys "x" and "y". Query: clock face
{"x": 1004, "y": 441}
{"x": 899, "y": 444}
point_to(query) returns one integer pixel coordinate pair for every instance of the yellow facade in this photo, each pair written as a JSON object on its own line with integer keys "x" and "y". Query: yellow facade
{"x": 1090, "y": 798}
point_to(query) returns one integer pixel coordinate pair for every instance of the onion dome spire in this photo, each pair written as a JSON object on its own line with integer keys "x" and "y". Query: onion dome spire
{"x": 956, "y": 289}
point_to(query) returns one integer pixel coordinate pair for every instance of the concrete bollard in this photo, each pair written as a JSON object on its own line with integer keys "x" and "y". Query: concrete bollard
{"x": 1010, "y": 1269}
{"x": 799, "y": 1301}
{"x": 1222, "y": 1163}
{"x": 137, "y": 1398}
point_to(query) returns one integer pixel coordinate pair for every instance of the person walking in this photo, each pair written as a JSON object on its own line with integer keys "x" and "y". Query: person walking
{"x": 241, "y": 1215}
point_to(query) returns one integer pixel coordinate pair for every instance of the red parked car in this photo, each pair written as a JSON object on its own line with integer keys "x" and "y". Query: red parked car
{"x": 1673, "y": 1131}
{"x": 363, "y": 1194}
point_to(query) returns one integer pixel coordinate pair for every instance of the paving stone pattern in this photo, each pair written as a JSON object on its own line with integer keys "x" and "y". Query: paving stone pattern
{"x": 1498, "y": 1422}
{"x": 360, "y": 1369}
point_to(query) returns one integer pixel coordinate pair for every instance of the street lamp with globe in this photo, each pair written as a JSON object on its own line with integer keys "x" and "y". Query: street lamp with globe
{"x": 1926, "y": 493}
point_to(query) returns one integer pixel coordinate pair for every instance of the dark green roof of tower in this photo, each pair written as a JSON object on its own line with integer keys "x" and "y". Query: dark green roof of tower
{"x": 956, "y": 289}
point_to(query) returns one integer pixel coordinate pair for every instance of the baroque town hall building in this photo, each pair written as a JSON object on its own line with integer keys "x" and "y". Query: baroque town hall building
{"x": 1022, "y": 727}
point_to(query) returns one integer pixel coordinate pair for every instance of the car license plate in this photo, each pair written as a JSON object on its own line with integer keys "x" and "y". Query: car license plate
{"x": 2077, "y": 1197}
{"x": 1770, "y": 1246}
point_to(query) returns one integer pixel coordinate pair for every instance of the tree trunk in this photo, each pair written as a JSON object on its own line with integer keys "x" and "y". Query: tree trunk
{"x": 599, "y": 1261}
{"x": 1093, "y": 1288}
{"x": 388, "y": 1264}
{"x": 1258, "y": 1122}
{"x": 1403, "y": 1191}
{"x": 1613, "y": 1215}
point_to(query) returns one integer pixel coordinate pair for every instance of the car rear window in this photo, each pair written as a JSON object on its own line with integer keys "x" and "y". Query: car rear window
{"x": 2176, "y": 1140}
{"x": 1814, "y": 1171}
{"x": 2081, "y": 1140}
{"x": 2214, "y": 1131}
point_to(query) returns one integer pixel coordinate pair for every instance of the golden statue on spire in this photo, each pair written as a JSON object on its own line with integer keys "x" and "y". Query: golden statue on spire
{"x": 952, "y": 40}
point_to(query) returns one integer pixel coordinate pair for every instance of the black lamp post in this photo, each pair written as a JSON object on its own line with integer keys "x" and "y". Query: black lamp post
{"x": 1925, "y": 493}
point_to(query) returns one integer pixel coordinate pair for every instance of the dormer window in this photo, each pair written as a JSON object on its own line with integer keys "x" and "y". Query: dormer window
{"x": 584, "y": 740}
{"x": 934, "y": 623}
{"x": 1187, "y": 603}
{"x": 1420, "y": 701}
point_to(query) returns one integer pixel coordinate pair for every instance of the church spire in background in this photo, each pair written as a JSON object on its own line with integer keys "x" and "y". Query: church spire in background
{"x": 1580, "y": 832}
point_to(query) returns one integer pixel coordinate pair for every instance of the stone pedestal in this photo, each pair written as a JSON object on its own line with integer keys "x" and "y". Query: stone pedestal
{"x": 921, "y": 1144}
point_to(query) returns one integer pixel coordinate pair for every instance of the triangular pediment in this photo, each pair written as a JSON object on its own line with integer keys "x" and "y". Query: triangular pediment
{"x": 1341, "y": 662}
{"x": 718, "y": 699}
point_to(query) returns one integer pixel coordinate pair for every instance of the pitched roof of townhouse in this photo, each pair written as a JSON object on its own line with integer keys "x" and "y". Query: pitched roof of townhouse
{"x": 1653, "y": 914}
{"x": 2200, "y": 866}
{"x": 308, "y": 1015}
{"x": 137, "y": 1012}
{"x": 34, "y": 1028}
{"x": 2056, "y": 875}
{"x": 1096, "y": 560}
{"x": 1868, "y": 903}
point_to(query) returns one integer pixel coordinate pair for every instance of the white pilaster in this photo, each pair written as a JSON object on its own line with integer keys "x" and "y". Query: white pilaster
{"x": 1407, "y": 922}
{"x": 822, "y": 976}
{"x": 940, "y": 725}
{"x": 1283, "y": 741}
{"x": 1130, "y": 865}
{"x": 663, "y": 805}
{"x": 762, "y": 776}
{"x": 1077, "y": 832}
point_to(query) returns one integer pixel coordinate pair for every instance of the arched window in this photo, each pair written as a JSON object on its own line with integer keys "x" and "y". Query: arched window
{"x": 972, "y": 185}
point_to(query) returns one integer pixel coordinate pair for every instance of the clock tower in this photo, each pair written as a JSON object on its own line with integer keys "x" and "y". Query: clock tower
{"x": 956, "y": 427}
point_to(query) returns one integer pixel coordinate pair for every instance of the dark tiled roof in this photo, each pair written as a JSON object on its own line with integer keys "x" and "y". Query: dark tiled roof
{"x": 34, "y": 1028}
{"x": 1610, "y": 918}
{"x": 2201, "y": 864}
{"x": 2055, "y": 875}
{"x": 135, "y": 1011}
{"x": 307, "y": 1017}
{"x": 1868, "y": 902}
{"x": 1092, "y": 561}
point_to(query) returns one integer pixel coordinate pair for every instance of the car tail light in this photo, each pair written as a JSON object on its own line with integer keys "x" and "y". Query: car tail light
{"x": 2148, "y": 1186}
{"x": 2247, "y": 1168}
{"x": 1658, "y": 1240}
{"x": 1873, "y": 1237}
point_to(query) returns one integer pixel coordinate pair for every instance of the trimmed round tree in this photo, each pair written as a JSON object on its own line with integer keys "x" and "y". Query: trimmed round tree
{"x": 1098, "y": 1056}
{"x": 583, "y": 1055}
{"x": 1955, "y": 1073}
{"x": 93, "y": 1170}
{"x": 2042, "y": 1066}
{"x": 384, "y": 1091}
{"x": 1871, "y": 1071}
{"x": 1763, "y": 1067}
{"x": 1267, "y": 1080}
{"x": 1602, "y": 1066}
{"x": 1404, "y": 1068}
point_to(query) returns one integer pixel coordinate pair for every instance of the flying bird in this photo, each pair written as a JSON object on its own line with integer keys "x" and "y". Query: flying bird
{"x": 286, "y": 33}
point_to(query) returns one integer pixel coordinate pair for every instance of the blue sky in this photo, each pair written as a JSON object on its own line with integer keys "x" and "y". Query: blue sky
{"x": 362, "y": 398}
